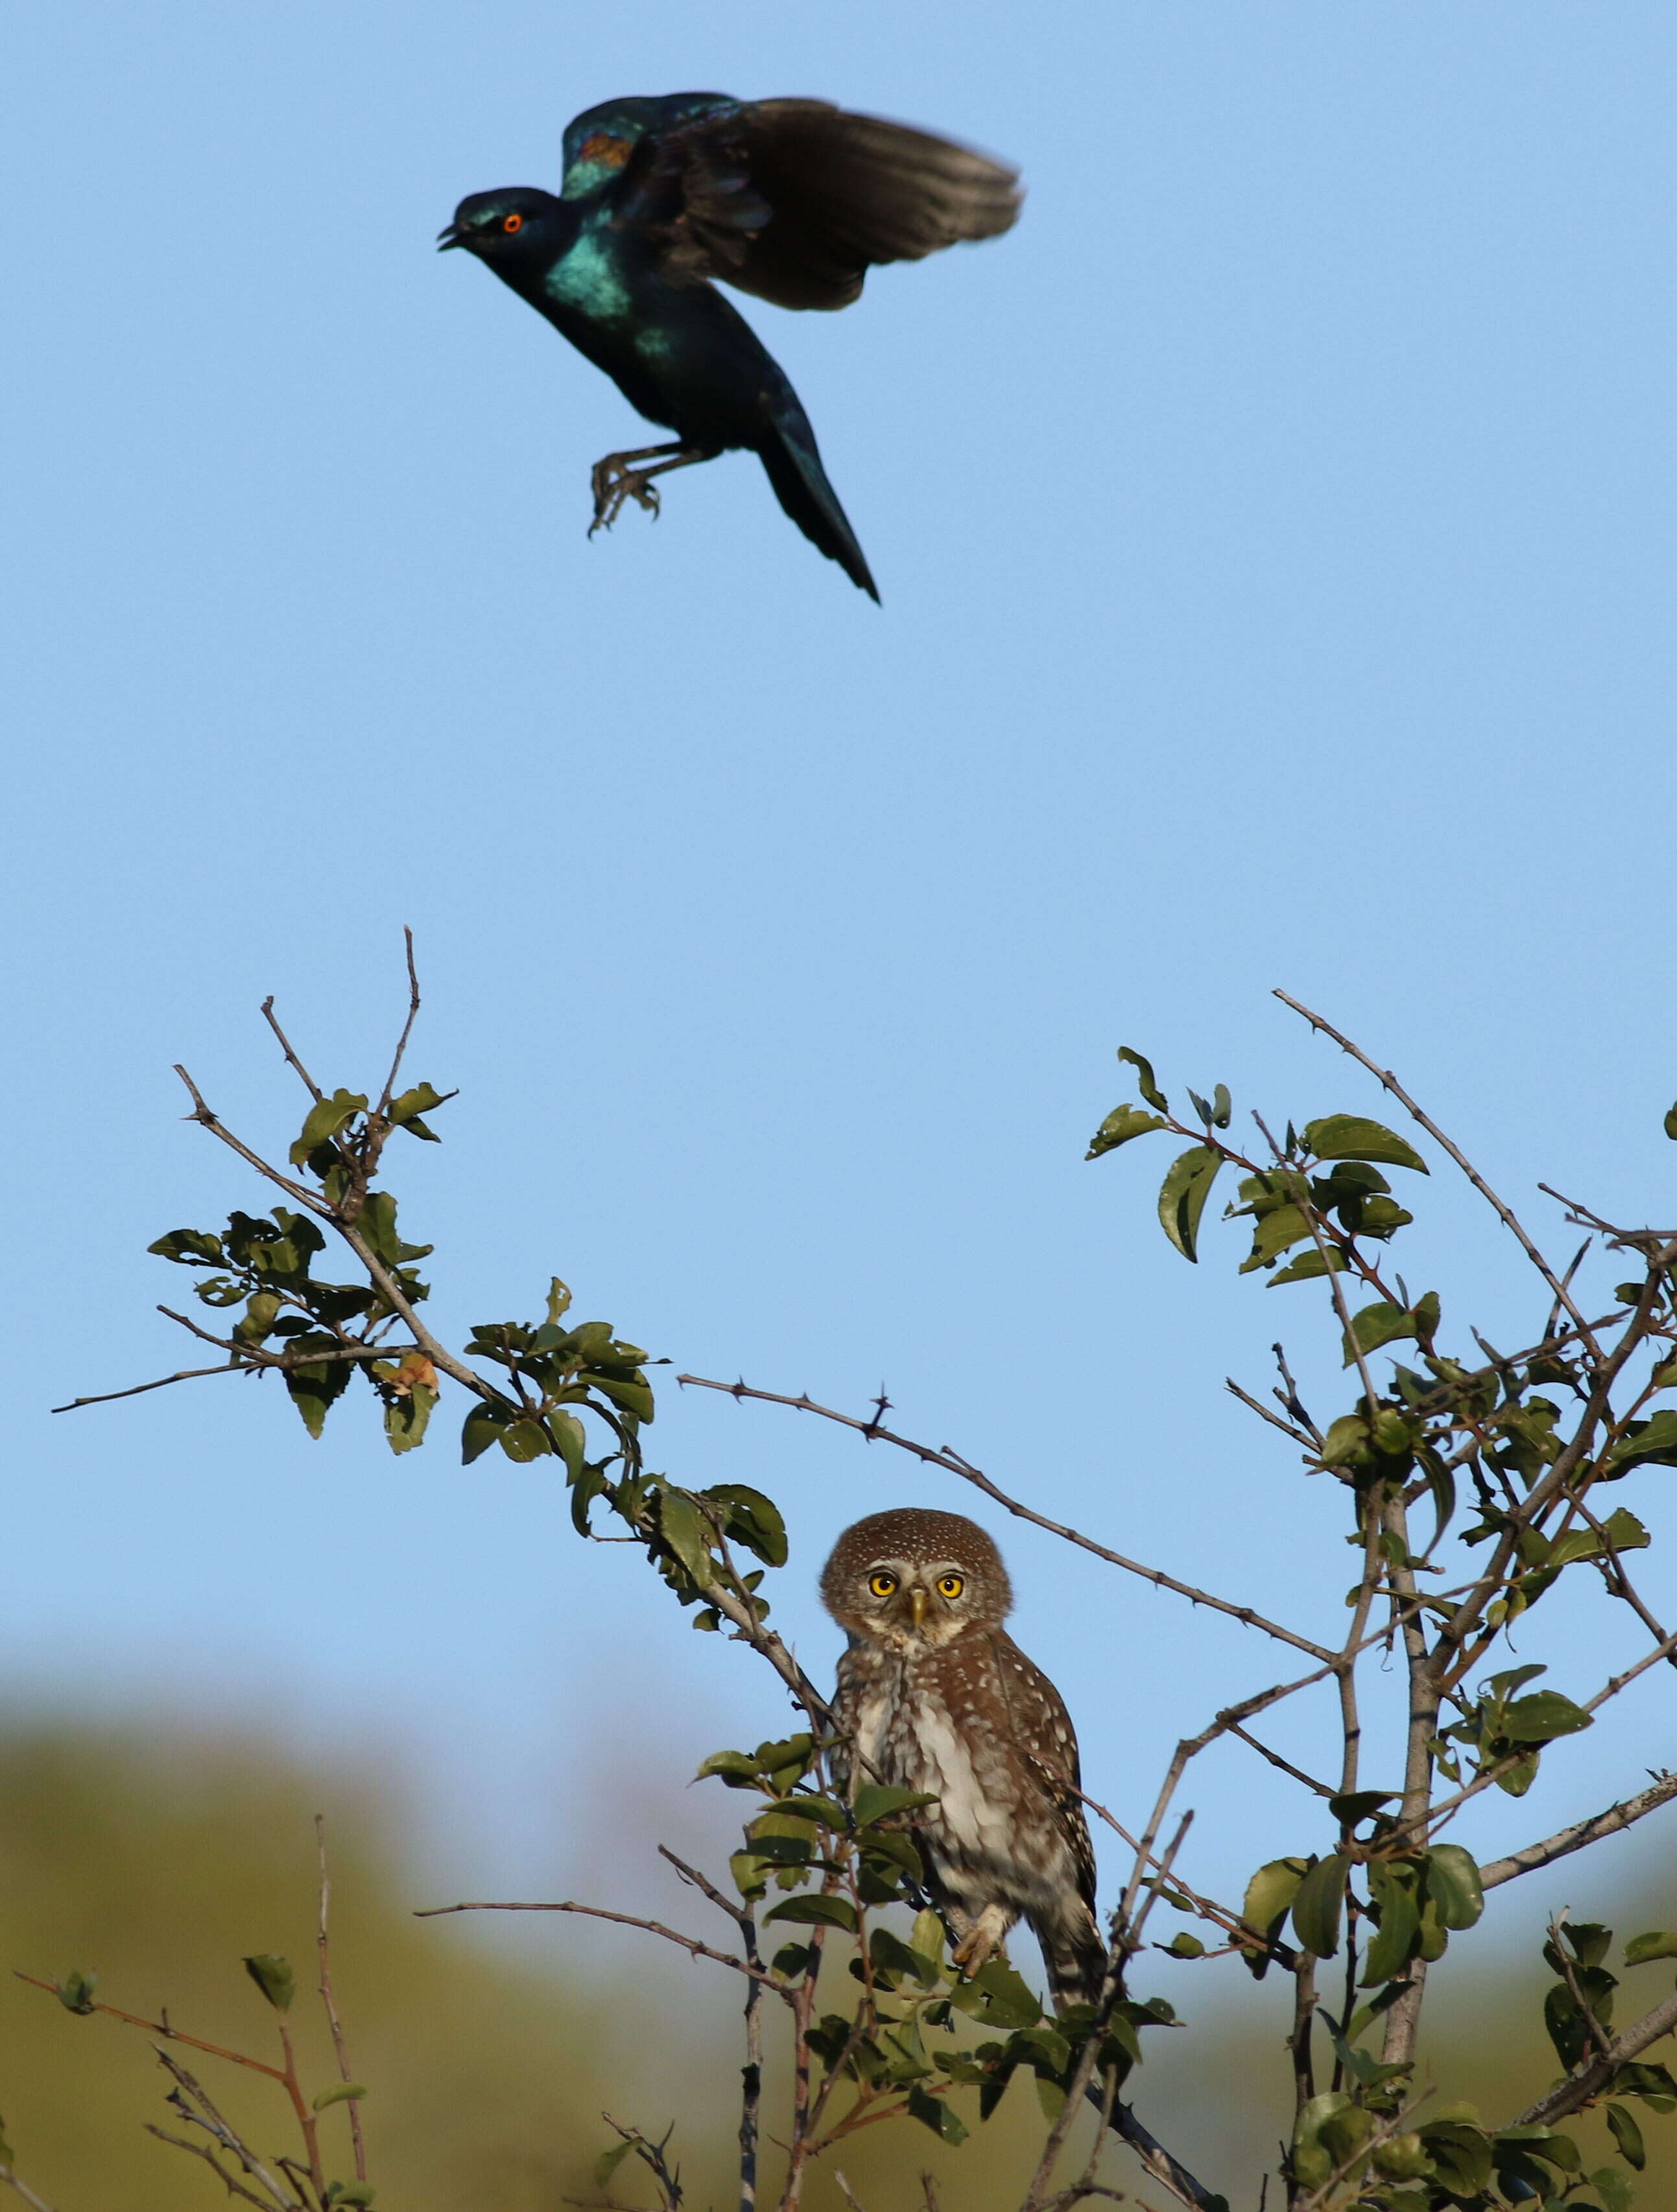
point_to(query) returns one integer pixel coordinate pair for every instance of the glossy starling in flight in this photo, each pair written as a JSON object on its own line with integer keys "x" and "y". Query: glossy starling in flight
{"x": 792, "y": 199}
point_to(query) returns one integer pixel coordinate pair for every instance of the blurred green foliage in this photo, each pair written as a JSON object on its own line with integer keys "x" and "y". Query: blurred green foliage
{"x": 160, "y": 1863}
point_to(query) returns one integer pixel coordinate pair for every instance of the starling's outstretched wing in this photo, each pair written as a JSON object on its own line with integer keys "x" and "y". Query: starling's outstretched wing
{"x": 795, "y": 199}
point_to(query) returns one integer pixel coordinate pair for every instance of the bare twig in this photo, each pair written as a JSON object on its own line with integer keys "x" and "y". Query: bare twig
{"x": 10, "y": 2179}
{"x": 190, "y": 2092}
{"x": 956, "y": 1465}
{"x": 689, "y": 1943}
{"x": 1310, "y": 1782}
{"x": 1581, "y": 1833}
{"x": 1589, "y": 2081}
{"x": 163, "y": 2028}
{"x": 270, "y": 1017}
{"x": 389, "y": 1091}
{"x": 202, "y": 2150}
{"x": 1563, "y": 1297}
{"x": 138, "y": 1389}
{"x": 331, "y": 2004}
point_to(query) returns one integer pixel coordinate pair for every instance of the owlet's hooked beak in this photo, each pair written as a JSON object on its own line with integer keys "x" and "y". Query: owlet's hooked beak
{"x": 918, "y": 1599}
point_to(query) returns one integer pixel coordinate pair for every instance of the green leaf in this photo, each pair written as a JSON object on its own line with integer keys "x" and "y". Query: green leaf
{"x": 1654, "y": 1439}
{"x": 1182, "y": 1945}
{"x": 1349, "y": 1137}
{"x": 1182, "y": 1195}
{"x": 1452, "y": 1883}
{"x": 1628, "y": 2136}
{"x": 1657, "y": 1943}
{"x": 752, "y": 1520}
{"x": 1355, "y": 1805}
{"x": 1461, "y": 2156}
{"x": 1393, "y": 1888}
{"x": 1375, "y": 1325}
{"x": 687, "y": 1532}
{"x": 934, "y": 2112}
{"x": 76, "y": 1991}
{"x": 1123, "y": 1123}
{"x": 405, "y": 1420}
{"x": 406, "y": 1110}
{"x": 483, "y": 1426}
{"x": 360, "y": 2193}
{"x": 326, "y": 1117}
{"x": 313, "y": 1391}
{"x": 1144, "y": 1082}
{"x": 1671, "y": 1123}
{"x": 816, "y": 1912}
{"x": 1273, "y": 1233}
{"x": 1009, "y": 2000}
{"x": 1541, "y": 1718}
{"x": 569, "y": 1434}
{"x": 340, "y": 2095}
{"x": 6, "y": 2154}
{"x": 190, "y": 1247}
{"x": 1611, "y": 2187}
{"x": 878, "y": 1801}
{"x": 1309, "y": 1265}
{"x": 1316, "y": 1909}
{"x": 608, "y": 2162}
{"x": 524, "y": 1440}
{"x": 275, "y": 1976}
{"x": 1269, "y": 1894}
{"x": 739, "y": 1769}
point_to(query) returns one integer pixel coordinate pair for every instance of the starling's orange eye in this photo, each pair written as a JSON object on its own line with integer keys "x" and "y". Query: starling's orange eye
{"x": 951, "y": 1585}
{"x": 881, "y": 1585}
{"x": 509, "y": 223}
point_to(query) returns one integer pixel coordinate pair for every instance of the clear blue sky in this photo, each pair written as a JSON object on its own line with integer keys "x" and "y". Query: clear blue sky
{"x": 1275, "y": 538}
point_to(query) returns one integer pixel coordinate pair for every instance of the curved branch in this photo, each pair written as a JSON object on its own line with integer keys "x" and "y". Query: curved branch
{"x": 956, "y": 1465}
{"x": 1563, "y": 1297}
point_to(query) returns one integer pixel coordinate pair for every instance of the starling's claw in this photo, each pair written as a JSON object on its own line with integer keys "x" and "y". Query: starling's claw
{"x": 614, "y": 480}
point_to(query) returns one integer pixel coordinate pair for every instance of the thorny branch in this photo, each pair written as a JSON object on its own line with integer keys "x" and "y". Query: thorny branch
{"x": 689, "y": 1943}
{"x": 955, "y": 1464}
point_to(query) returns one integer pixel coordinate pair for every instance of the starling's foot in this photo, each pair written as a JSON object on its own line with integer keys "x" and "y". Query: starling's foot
{"x": 983, "y": 1940}
{"x": 614, "y": 483}
{"x": 616, "y": 479}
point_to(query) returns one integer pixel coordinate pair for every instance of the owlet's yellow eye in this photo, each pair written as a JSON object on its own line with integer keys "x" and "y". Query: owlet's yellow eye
{"x": 509, "y": 223}
{"x": 881, "y": 1585}
{"x": 951, "y": 1585}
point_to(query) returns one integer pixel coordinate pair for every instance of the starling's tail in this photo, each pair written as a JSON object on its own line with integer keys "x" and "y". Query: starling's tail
{"x": 789, "y": 453}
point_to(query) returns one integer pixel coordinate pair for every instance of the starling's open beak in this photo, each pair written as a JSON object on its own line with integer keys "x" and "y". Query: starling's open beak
{"x": 447, "y": 238}
{"x": 918, "y": 1599}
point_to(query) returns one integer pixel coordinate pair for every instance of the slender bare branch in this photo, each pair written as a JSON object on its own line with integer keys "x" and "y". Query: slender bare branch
{"x": 138, "y": 1389}
{"x": 689, "y": 1943}
{"x": 323, "y": 1950}
{"x": 389, "y": 1091}
{"x": 1563, "y": 1297}
{"x": 956, "y": 1465}
{"x": 234, "y": 2188}
{"x": 189, "y": 2092}
{"x": 272, "y": 1020}
{"x": 1580, "y": 1835}
{"x": 9, "y": 2180}
{"x": 161, "y": 2027}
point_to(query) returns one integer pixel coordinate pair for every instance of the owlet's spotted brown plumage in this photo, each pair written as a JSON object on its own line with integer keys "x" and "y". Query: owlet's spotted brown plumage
{"x": 935, "y": 1695}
